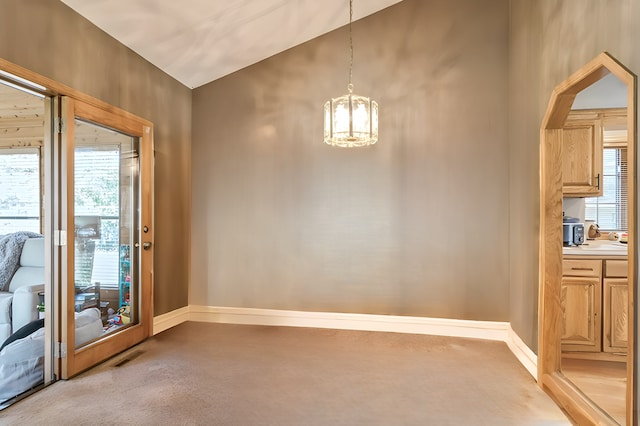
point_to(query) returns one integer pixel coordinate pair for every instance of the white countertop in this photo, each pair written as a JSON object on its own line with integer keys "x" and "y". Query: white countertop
{"x": 597, "y": 248}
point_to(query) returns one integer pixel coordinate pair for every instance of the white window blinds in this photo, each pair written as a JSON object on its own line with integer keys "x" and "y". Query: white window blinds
{"x": 609, "y": 211}
{"x": 97, "y": 193}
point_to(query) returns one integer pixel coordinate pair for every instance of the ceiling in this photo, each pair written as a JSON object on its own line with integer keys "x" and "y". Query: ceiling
{"x": 608, "y": 92}
{"x": 198, "y": 41}
{"x": 21, "y": 118}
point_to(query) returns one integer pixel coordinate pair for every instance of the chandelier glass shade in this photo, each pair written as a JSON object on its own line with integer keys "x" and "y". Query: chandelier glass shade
{"x": 350, "y": 120}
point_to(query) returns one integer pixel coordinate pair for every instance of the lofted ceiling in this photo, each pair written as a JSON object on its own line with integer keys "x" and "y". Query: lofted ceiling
{"x": 198, "y": 41}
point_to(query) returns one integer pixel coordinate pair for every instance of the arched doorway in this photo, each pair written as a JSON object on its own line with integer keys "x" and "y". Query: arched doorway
{"x": 550, "y": 312}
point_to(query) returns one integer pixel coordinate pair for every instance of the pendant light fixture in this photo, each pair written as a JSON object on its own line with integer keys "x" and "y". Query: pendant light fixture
{"x": 350, "y": 120}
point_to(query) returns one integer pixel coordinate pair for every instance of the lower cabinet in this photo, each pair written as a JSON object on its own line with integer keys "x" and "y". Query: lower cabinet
{"x": 581, "y": 311}
{"x": 615, "y": 308}
{"x": 594, "y": 298}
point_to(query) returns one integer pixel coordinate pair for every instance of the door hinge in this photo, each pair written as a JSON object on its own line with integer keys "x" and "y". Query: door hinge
{"x": 61, "y": 350}
{"x": 60, "y": 238}
{"x": 59, "y": 125}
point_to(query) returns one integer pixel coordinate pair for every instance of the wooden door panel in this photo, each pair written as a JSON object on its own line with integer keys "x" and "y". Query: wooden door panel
{"x": 105, "y": 131}
{"x": 582, "y": 158}
{"x": 615, "y": 315}
{"x": 580, "y": 299}
{"x": 576, "y": 143}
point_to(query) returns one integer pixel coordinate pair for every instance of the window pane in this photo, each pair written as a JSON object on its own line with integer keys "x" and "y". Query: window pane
{"x": 609, "y": 161}
{"x": 610, "y": 209}
{"x": 607, "y": 217}
{"x": 609, "y": 189}
{"x": 19, "y": 190}
{"x": 97, "y": 198}
{"x": 105, "y": 170}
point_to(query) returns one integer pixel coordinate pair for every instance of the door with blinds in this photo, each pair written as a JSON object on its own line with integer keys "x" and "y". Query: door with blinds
{"x": 106, "y": 231}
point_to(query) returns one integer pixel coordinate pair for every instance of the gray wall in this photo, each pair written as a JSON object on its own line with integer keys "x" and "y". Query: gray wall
{"x": 432, "y": 221}
{"x": 416, "y": 225}
{"x": 47, "y": 37}
{"x": 549, "y": 40}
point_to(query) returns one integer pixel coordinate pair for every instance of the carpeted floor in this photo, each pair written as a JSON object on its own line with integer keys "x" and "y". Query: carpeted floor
{"x": 220, "y": 374}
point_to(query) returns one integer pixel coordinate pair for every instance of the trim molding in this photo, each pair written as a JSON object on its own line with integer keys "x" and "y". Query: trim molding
{"x": 170, "y": 319}
{"x": 524, "y": 354}
{"x": 488, "y": 330}
{"x": 364, "y": 322}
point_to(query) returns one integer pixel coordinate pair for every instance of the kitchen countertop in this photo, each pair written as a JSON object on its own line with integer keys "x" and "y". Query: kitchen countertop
{"x": 597, "y": 248}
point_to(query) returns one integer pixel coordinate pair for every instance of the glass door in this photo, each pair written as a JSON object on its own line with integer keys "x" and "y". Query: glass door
{"x": 106, "y": 265}
{"x": 26, "y": 349}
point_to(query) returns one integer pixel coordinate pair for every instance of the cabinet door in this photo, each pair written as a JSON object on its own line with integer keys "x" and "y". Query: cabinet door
{"x": 581, "y": 323}
{"x": 615, "y": 315}
{"x": 582, "y": 158}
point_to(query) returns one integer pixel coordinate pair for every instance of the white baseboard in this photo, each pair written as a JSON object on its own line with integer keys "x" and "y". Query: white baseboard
{"x": 524, "y": 354}
{"x": 488, "y": 330}
{"x": 365, "y": 322}
{"x": 170, "y": 319}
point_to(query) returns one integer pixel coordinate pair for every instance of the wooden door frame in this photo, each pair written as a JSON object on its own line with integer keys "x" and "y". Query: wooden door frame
{"x": 550, "y": 376}
{"x": 80, "y": 359}
{"x": 55, "y": 89}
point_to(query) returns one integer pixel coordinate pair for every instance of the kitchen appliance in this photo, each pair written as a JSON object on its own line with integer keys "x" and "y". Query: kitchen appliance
{"x": 572, "y": 231}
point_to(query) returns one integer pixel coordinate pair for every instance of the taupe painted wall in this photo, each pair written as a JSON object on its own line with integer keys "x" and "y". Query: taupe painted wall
{"x": 47, "y": 37}
{"x": 549, "y": 40}
{"x": 276, "y": 212}
{"x": 416, "y": 225}
{"x": 281, "y": 221}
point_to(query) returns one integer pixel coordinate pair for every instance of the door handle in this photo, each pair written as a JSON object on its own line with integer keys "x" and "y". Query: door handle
{"x": 146, "y": 245}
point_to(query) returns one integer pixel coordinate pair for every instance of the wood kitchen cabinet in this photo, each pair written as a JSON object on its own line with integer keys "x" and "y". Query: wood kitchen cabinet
{"x": 594, "y": 298}
{"x": 581, "y": 319}
{"x": 581, "y": 305}
{"x": 615, "y": 307}
{"x": 582, "y": 155}
{"x": 584, "y": 135}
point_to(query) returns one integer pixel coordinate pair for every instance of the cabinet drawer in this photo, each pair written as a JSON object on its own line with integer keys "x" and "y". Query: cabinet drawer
{"x": 581, "y": 268}
{"x": 616, "y": 268}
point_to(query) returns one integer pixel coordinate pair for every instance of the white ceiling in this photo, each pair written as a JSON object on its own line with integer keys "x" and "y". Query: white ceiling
{"x": 608, "y": 92}
{"x": 198, "y": 41}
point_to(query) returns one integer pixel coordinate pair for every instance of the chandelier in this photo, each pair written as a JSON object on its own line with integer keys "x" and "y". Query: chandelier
{"x": 350, "y": 120}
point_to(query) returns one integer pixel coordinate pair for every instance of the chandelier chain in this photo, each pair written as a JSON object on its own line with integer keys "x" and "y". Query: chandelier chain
{"x": 350, "y": 86}
{"x": 350, "y": 121}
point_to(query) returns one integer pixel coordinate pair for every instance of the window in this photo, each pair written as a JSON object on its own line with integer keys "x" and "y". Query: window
{"x": 97, "y": 194}
{"x": 609, "y": 210}
{"x": 19, "y": 190}
{"x": 97, "y": 199}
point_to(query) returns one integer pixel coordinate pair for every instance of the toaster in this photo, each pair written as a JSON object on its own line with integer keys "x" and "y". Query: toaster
{"x": 572, "y": 234}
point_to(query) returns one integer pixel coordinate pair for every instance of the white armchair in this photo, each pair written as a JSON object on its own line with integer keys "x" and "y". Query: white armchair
{"x": 18, "y": 306}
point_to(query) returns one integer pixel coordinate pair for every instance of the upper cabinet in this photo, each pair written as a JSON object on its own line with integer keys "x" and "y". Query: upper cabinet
{"x": 583, "y": 137}
{"x": 582, "y": 155}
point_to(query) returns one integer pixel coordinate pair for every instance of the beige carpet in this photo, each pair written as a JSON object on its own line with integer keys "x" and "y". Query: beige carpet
{"x": 217, "y": 374}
